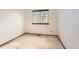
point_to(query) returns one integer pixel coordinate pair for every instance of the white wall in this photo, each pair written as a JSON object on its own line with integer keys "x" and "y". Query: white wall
{"x": 52, "y": 28}
{"x": 69, "y": 27}
{"x": 11, "y": 24}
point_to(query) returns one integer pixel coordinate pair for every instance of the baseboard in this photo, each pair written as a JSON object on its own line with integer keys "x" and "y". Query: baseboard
{"x": 61, "y": 42}
{"x": 40, "y": 34}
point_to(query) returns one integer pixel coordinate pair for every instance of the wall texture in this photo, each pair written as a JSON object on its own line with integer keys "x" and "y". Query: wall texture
{"x": 69, "y": 27}
{"x": 51, "y": 29}
{"x": 11, "y": 24}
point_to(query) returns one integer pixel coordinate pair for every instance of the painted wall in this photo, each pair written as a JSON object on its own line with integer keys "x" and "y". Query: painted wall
{"x": 51, "y": 29}
{"x": 11, "y": 24}
{"x": 69, "y": 27}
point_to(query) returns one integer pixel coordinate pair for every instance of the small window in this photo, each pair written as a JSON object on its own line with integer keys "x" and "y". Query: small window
{"x": 40, "y": 17}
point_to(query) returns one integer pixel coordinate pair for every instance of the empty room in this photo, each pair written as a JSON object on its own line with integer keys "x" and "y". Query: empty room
{"x": 39, "y": 28}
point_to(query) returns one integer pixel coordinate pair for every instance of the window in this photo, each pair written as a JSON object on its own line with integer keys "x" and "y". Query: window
{"x": 40, "y": 17}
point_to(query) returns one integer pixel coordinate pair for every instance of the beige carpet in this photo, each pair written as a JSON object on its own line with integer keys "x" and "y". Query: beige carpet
{"x": 31, "y": 41}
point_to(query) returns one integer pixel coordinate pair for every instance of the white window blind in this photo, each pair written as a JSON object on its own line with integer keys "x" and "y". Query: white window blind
{"x": 40, "y": 16}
